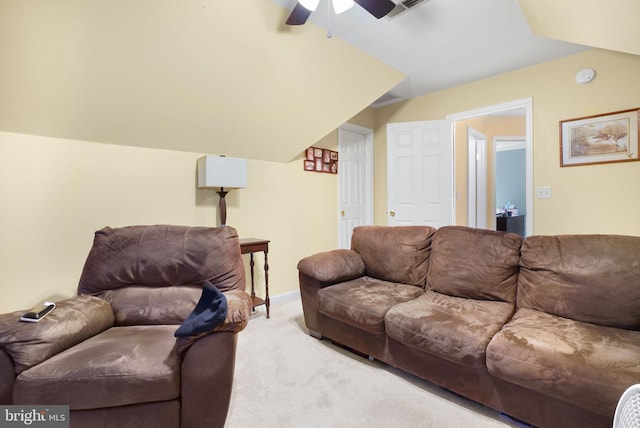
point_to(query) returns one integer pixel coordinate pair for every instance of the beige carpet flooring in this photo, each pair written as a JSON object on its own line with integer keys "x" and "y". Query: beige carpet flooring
{"x": 286, "y": 378}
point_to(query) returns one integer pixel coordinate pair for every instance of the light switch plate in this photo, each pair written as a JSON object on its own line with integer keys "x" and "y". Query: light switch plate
{"x": 543, "y": 192}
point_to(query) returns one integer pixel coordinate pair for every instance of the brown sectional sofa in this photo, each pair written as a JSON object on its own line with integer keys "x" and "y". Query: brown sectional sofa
{"x": 545, "y": 329}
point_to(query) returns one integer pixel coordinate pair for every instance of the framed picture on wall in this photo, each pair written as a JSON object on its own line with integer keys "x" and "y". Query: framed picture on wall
{"x": 310, "y": 152}
{"x": 603, "y": 138}
{"x": 326, "y": 156}
{"x": 321, "y": 160}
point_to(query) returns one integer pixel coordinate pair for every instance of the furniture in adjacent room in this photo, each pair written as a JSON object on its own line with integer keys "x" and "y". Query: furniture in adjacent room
{"x": 514, "y": 224}
{"x": 111, "y": 354}
{"x": 250, "y": 246}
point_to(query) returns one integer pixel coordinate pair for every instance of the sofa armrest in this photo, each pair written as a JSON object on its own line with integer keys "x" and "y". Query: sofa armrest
{"x": 72, "y": 321}
{"x": 334, "y": 266}
{"x": 323, "y": 270}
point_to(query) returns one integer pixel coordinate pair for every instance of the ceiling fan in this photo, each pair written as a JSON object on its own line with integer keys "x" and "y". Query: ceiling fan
{"x": 303, "y": 8}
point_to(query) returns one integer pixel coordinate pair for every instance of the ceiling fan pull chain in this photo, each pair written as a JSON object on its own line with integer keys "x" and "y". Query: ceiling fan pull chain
{"x": 329, "y": 35}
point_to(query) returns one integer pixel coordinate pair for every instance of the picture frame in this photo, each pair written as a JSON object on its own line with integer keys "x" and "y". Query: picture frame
{"x": 326, "y": 156}
{"x": 310, "y": 152}
{"x": 599, "y": 139}
{"x": 321, "y": 160}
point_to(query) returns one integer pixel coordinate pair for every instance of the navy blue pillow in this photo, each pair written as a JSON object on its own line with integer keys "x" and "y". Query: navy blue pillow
{"x": 209, "y": 313}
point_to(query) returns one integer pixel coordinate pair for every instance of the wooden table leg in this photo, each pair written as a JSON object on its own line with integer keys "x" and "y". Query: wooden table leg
{"x": 266, "y": 282}
{"x": 253, "y": 290}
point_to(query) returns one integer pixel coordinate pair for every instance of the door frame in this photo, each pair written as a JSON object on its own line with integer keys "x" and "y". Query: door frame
{"x": 479, "y": 178}
{"x": 527, "y": 104}
{"x": 367, "y": 183}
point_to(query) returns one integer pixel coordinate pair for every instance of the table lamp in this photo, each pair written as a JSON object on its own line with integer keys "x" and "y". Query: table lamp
{"x": 224, "y": 173}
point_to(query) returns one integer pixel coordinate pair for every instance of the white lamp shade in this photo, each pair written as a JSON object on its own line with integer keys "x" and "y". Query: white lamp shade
{"x": 220, "y": 171}
{"x": 340, "y": 6}
{"x": 311, "y": 5}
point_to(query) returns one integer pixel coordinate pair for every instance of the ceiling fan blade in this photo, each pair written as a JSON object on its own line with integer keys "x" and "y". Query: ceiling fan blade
{"x": 377, "y": 8}
{"x": 299, "y": 15}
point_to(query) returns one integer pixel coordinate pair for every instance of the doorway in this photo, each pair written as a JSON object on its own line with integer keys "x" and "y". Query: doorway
{"x": 519, "y": 107}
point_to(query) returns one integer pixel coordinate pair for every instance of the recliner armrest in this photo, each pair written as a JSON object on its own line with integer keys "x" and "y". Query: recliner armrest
{"x": 239, "y": 307}
{"x": 7, "y": 378}
{"x": 72, "y": 321}
{"x": 331, "y": 267}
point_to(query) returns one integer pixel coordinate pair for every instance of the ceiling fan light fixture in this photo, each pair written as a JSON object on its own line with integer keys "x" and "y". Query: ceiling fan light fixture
{"x": 340, "y": 6}
{"x": 310, "y": 5}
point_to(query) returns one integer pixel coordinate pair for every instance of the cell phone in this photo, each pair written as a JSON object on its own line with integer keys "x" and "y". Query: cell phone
{"x": 39, "y": 312}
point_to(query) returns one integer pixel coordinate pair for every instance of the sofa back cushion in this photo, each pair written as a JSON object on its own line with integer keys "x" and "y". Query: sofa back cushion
{"x": 475, "y": 263}
{"x": 394, "y": 253}
{"x": 589, "y": 278}
{"x": 152, "y": 305}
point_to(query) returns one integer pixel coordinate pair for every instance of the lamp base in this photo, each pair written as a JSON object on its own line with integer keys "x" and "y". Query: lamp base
{"x": 222, "y": 207}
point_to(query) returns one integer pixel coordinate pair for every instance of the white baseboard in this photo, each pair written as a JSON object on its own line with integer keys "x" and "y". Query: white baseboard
{"x": 295, "y": 294}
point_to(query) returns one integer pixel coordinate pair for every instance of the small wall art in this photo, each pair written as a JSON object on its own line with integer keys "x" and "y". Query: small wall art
{"x": 603, "y": 138}
{"x": 321, "y": 160}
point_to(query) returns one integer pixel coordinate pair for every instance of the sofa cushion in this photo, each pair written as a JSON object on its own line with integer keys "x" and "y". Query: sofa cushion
{"x": 72, "y": 321}
{"x": 394, "y": 253}
{"x": 584, "y": 364}
{"x": 161, "y": 256}
{"x": 149, "y": 305}
{"x": 363, "y": 302}
{"x": 590, "y": 278}
{"x": 454, "y": 328}
{"x": 474, "y": 263}
{"x": 120, "y": 366}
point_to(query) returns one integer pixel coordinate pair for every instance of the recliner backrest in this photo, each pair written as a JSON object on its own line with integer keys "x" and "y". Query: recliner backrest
{"x": 154, "y": 274}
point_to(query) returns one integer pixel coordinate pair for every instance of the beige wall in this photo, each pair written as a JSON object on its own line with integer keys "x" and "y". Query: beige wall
{"x": 586, "y": 199}
{"x": 55, "y": 193}
{"x": 205, "y": 76}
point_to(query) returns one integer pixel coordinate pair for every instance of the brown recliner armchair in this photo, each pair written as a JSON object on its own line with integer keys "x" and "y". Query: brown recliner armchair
{"x": 110, "y": 352}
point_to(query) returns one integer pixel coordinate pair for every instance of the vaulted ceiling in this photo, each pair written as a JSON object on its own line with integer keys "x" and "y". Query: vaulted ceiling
{"x": 230, "y": 78}
{"x": 611, "y": 25}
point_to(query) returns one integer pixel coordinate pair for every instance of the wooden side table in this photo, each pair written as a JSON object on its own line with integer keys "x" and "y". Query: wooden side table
{"x": 250, "y": 246}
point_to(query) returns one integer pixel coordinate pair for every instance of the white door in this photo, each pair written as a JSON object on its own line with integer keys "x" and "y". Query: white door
{"x": 477, "y": 179}
{"x": 355, "y": 180}
{"x": 420, "y": 173}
